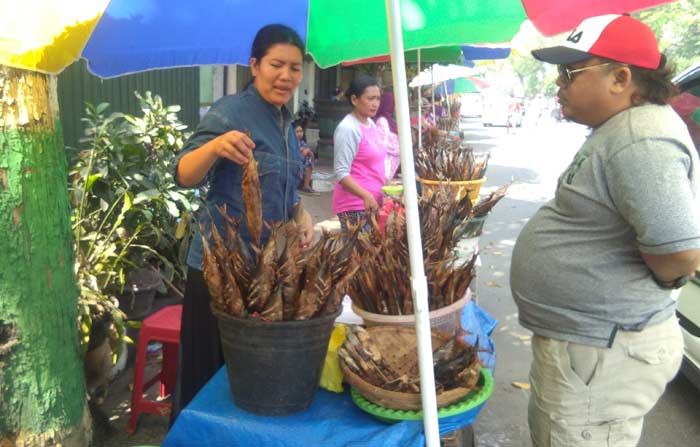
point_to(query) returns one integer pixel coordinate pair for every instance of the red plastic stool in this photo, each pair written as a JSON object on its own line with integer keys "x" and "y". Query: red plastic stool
{"x": 164, "y": 327}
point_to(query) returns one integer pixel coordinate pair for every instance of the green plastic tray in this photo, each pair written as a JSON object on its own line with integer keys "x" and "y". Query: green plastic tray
{"x": 470, "y": 401}
{"x": 393, "y": 190}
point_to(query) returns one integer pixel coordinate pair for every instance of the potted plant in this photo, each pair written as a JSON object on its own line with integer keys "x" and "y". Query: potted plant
{"x": 130, "y": 224}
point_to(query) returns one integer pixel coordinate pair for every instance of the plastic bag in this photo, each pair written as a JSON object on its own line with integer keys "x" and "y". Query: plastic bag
{"x": 391, "y": 143}
{"x": 332, "y": 376}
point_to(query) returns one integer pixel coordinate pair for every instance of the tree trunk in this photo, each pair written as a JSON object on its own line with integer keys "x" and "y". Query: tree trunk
{"x": 42, "y": 390}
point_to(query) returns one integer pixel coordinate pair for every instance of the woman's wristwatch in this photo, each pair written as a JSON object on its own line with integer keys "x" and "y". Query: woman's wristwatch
{"x": 672, "y": 284}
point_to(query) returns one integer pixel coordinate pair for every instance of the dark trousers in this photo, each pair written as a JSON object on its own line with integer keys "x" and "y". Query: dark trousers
{"x": 200, "y": 348}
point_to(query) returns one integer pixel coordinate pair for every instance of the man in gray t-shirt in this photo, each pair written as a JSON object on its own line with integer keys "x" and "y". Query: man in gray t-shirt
{"x": 593, "y": 271}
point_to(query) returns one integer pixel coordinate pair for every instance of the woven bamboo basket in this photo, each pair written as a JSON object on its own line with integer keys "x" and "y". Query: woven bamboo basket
{"x": 398, "y": 346}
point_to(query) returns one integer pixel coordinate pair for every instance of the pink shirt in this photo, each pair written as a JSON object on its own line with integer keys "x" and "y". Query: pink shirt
{"x": 359, "y": 146}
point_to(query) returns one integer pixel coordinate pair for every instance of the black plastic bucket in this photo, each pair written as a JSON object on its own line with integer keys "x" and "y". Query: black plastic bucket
{"x": 274, "y": 367}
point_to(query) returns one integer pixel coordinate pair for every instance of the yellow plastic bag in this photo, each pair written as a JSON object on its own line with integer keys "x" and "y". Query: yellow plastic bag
{"x": 332, "y": 376}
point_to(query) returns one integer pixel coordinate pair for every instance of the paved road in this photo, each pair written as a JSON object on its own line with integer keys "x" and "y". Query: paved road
{"x": 532, "y": 158}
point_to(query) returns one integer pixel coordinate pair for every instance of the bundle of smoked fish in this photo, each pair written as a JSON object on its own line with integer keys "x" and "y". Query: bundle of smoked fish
{"x": 275, "y": 280}
{"x": 381, "y": 358}
{"x": 485, "y": 205}
{"x": 383, "y": 283}
{"x": 447, "y": 159}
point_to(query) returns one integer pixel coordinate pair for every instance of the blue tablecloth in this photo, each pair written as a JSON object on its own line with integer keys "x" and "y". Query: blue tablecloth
{"x": 332, "y": 420}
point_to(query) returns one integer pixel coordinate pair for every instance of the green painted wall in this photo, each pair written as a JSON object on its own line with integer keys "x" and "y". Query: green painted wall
{"x": 42, "y": 393}
{"x": 206, "y": 95}
{"x": 76, "y": 86}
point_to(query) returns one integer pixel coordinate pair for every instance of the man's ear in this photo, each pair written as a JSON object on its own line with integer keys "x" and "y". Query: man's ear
{"x": 622, "y": 79}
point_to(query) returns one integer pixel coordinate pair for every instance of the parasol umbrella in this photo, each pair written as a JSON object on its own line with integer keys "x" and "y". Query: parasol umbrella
{"x": 436, "y": 74}
{"x": 136, "y": 35}
{"x": 132, "y": 35}
{"x": 437, "y": 55}
{"x": 456, "y": 86}
{"x": 465, "y": 54}
{"x": 478, "y": 52}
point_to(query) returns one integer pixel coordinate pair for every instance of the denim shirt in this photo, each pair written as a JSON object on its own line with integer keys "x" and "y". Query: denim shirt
{"x": 276, "y": 151}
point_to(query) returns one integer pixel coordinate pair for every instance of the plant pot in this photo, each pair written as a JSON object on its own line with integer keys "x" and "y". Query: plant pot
{"x": 274, "y": 367}
{"x": 120, "y": 365}
{"x": 137, "y": 299}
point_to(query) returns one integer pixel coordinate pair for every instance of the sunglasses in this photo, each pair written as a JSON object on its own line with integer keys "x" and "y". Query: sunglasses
{"x": 568, "y": 75}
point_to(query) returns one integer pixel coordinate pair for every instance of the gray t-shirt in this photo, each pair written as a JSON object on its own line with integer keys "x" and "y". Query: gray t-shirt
{"x": 576, "y": 271}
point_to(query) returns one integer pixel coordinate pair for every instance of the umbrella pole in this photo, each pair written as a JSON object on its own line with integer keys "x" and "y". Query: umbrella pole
{"x": 420, "y": 113}
{"x": 447, "y": 97}
{"x": 419, "y": 283}
{"x": 432, "y": 90}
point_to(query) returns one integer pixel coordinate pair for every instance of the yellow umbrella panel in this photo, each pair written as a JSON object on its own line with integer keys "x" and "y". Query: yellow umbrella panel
{"x": 46, "y": 35}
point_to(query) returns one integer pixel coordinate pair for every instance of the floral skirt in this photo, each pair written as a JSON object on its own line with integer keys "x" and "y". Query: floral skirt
{"x": 354, "y": 218}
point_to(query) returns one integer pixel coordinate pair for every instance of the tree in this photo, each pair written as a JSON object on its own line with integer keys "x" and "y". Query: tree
{"x": 42, "y": 390}
{"x": 677, "y": 26}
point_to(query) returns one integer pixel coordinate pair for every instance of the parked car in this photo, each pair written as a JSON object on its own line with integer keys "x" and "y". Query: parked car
{"x": 687, "y": 104}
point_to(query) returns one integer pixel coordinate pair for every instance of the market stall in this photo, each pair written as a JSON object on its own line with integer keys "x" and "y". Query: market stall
{"x": 332, "y": 419}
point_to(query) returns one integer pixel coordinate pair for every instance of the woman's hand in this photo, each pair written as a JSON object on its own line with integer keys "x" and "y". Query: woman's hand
{"x": 306, "y": 152}
{"x": 235, "y": 146}
{"x": 370, "y": 202}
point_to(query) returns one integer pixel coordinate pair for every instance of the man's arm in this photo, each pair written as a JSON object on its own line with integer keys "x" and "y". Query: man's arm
{"x": 669, "y": 267}
{"x": 662, "y": 209}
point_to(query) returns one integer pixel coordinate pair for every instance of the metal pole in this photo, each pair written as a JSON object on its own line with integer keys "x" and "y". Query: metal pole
{"x": 420, "y": 109}
{"x": 432, "y": 90}
{"x": 419, "y": 283}
{"x": 447, "y": 97}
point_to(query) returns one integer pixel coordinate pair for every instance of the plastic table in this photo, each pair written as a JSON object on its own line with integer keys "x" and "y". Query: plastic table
{"x": 332, "y": 420}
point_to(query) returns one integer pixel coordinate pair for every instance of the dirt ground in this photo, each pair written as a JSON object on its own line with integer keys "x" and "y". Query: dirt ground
{"x": 116, "y": 407}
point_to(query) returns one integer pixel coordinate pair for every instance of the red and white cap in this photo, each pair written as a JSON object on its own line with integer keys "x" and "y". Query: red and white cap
{"x": 620, "y": 38}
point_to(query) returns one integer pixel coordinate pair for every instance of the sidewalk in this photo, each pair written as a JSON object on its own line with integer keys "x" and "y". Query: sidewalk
{"x": 320, "y": 206}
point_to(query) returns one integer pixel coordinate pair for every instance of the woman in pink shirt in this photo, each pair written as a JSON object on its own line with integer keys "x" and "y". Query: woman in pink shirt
{"x": 358, "y": 156}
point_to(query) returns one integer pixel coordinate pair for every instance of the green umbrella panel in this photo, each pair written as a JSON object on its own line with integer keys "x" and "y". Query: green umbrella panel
{"x": 356, "y": 29}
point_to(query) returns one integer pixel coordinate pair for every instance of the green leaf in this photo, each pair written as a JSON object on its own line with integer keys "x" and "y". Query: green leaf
{"x": 91, "y": 180}
{"x": 101, "y": 107}
{"x": 176, "y": 195}
{"x": 173, "y": 209}
{"x": 146, "y": 195}
{"x": 181, "y": 228}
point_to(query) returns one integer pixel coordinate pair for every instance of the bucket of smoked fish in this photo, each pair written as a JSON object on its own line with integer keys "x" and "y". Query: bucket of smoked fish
{"x": 274, "y": 367}
{"x": 275, "y": 302}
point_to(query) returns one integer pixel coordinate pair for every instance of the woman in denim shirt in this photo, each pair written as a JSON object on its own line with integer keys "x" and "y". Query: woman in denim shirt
{"x": 253, "y": 123}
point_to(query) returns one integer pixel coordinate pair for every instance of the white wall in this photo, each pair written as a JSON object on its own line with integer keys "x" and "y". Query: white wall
{"x": 307, "y": 88}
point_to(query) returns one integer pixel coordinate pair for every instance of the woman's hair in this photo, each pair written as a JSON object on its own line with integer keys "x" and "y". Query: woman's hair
{"x": 359, "y": 85}
{"x": 274, "y": 34}
{"x": 654, "y": 86}
{"x": 302, "y": 124}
